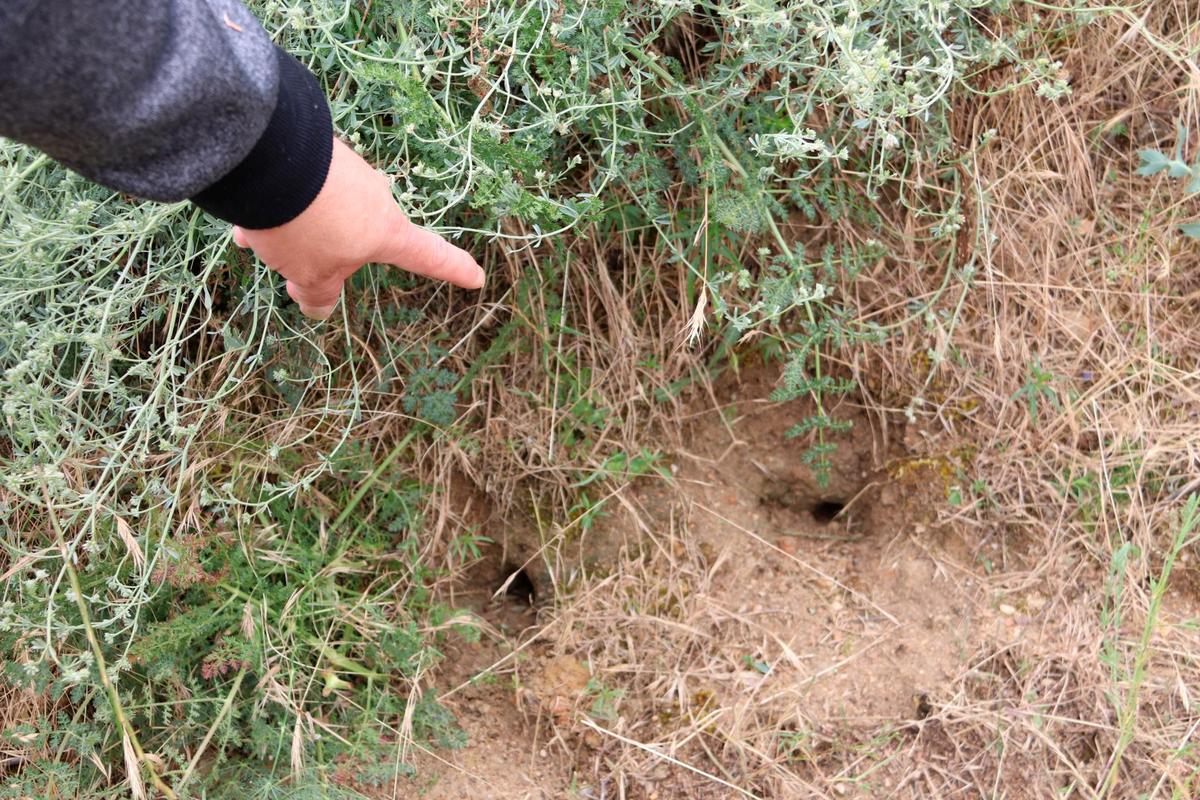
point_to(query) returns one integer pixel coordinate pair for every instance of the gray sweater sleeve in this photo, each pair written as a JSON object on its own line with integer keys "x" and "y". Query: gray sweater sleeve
{"x": 166, "y": 99}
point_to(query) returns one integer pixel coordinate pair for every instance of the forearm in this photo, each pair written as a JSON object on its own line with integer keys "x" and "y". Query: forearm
{"x": 166, "y": 99}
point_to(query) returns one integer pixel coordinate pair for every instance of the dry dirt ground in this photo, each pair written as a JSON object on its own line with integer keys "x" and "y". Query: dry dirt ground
{"x": 990, "y": 599}
{"x": 748, "y": 605}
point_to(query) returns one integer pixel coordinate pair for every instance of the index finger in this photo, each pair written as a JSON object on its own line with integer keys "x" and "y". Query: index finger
{"x": 423, "y": 252}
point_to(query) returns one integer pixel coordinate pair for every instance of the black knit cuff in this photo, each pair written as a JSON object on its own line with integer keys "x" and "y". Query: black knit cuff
{"x": 285, "y": 171}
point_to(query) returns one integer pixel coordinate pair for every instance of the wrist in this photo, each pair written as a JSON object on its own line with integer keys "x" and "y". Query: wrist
{"x": 286, "y": 169}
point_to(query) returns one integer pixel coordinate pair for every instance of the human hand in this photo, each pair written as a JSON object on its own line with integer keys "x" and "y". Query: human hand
{"x": 352, "y": 221}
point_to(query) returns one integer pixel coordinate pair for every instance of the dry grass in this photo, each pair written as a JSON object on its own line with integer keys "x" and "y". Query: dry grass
{"x": 1080, "y": 274}
{"x": 1078, "y": 271}
{"x": 17, "y": 706}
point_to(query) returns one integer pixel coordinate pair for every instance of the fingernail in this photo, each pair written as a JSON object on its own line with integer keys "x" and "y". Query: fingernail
{"x": 480, "y": 278}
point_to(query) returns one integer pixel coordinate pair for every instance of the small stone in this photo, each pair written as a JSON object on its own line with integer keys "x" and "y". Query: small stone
{"x": 1008, "y": 610}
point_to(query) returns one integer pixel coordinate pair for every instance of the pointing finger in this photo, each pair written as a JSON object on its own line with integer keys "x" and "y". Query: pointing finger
{"x": 418, "y": 250}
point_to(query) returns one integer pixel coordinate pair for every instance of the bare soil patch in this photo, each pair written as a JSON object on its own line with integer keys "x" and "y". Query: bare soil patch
{"x": 737, "y": 610}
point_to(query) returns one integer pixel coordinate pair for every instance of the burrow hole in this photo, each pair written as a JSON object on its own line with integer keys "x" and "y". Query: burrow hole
{"x": 520, "y": 586}
{"x": 826, "y": 511}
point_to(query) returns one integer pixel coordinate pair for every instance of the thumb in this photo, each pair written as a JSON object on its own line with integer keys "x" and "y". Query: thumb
{"x": 239, "y": 236}
{"x": 423, "y": 252}
{"x": 316, "y": 302}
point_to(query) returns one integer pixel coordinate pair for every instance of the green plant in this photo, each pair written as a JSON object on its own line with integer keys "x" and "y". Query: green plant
{"x": 604, "y": 700}
{"x": 1154, "y": 161}
{"x": 276, "y": 599}
{"x": 752, "y": 662}
{"x": 1132, "y": 674}
{"x": 1038, "y": 389}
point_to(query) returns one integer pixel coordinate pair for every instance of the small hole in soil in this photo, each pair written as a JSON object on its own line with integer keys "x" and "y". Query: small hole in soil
{"x": 923, "y": 707}
{"x": 1087, "y": 749}
{"x": 825, "y": 511}
{"x": 521, "y": 587}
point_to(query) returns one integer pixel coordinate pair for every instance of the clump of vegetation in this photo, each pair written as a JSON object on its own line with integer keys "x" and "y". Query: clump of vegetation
{"x": 209, "y": 578}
